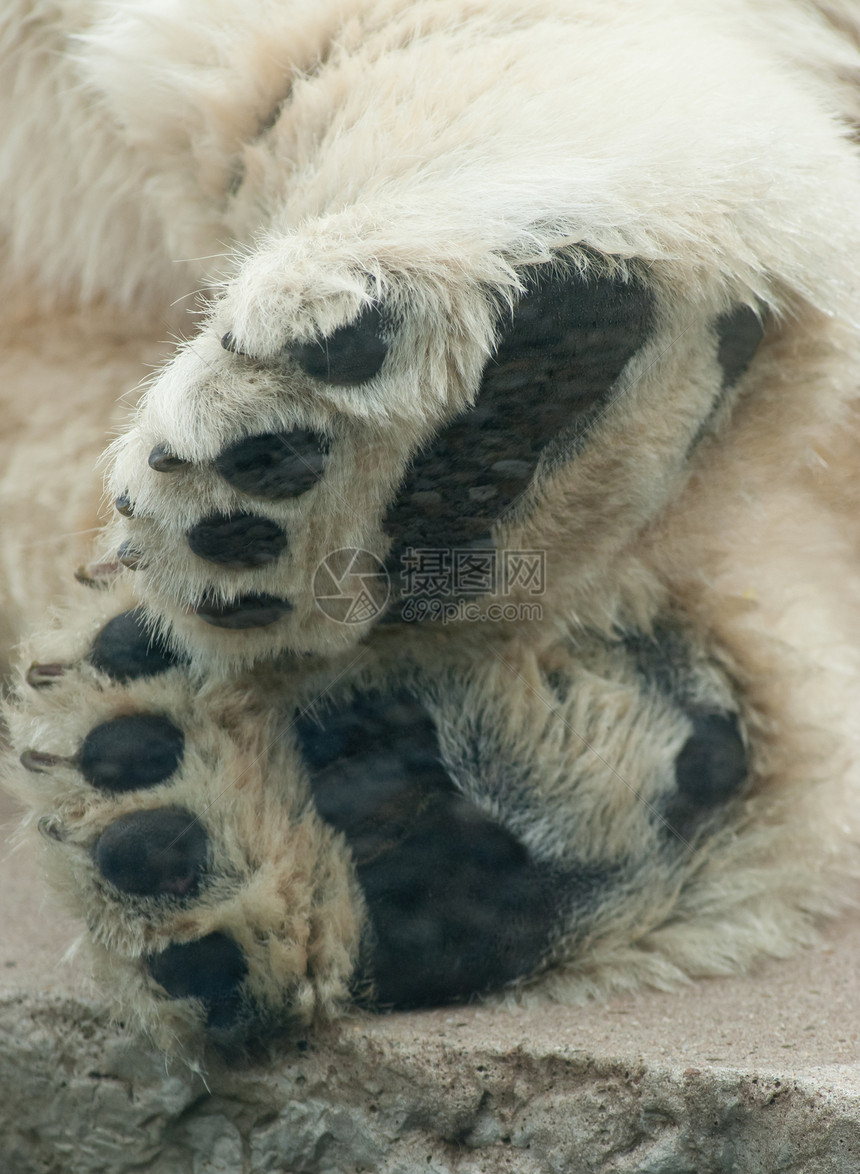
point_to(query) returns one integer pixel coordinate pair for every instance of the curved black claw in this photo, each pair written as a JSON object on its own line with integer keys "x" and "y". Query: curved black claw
{"x": 241, "y": 541}
{"x": 41, "y": 675}
{"x": 250, "y": 611}
{"x": 51, "y": 828}
{"x": 98, "y": 575}
{"x": 162, "y": 460}
{"x": 126, "y": 650}
{"x": 131, "y": 752}
{"x": 123, "y": 506}
{"x": 40, "y": 763}
{"x": 154, "y": 853}
{"x": 211, "y": 969}
{"x": 129, "y": 557}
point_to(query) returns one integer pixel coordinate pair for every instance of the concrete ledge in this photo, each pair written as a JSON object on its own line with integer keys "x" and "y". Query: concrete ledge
{"x": 748, "y": 1076}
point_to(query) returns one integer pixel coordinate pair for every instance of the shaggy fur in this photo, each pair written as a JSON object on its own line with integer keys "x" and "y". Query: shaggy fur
{"x": 299, "y": 162}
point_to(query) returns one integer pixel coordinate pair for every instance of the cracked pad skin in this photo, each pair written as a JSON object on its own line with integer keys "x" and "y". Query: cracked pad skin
{"x": 517, "y": 312}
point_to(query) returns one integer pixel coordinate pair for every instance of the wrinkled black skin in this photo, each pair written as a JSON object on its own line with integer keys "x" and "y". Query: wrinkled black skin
{"x": 553, "y": 374}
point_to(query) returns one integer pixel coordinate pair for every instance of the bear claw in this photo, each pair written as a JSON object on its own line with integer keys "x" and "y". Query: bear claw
{"x": 40, "y": 675}
{"x": 98, "y": 575}
{"x": 162, "y": 460}
{"x": 39, "y": 762}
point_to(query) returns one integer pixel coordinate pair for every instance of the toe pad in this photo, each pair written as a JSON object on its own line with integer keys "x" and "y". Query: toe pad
{"x": 154, "y": 853}
{"x": 211, "y": 969}
{"x": 249, "y": 611}
{"x": 127, "y": 753}
{"x": 126, "y": 650}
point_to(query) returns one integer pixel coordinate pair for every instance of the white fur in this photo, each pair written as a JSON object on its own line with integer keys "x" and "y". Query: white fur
{"x": 295, "y": 160}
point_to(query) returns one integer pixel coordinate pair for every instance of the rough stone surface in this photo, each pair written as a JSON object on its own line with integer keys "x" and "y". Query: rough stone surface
{"x": 734, "y": 1076}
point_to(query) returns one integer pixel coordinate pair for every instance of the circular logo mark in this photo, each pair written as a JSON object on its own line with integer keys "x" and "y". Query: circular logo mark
{"x": 351, "y": 586}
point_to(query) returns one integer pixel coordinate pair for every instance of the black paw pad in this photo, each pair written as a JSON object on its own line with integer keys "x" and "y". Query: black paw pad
{"x": 250, "y": 611}
{"x": 154, "y": 853}
{"x": 211, "y": 969}
{"x": 712, "y": 765}
{"x": 456, "y": 905}
{"x": 738, "y": 336}
{"x": 274, "y": 465}
{"x": 353, "y": 354}
{"x": 130, "y": 752}
{"x": 240, "y": 542}
{"x": 162, "y": 460}
{"x": 126, "y": 650}
{"x": 555, "y": 370}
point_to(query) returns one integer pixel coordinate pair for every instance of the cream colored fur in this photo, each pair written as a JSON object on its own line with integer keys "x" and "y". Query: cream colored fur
{"x": 295, "y": 160}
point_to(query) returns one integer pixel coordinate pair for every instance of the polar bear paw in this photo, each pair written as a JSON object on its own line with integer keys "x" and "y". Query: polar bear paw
{"x": 177, "y": 825}
{"x": 394, "y": 828}
{"x": 300, "y": 468}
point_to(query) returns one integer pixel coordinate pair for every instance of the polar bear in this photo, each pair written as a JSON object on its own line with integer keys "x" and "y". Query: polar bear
{"x": 477, "y": 612}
